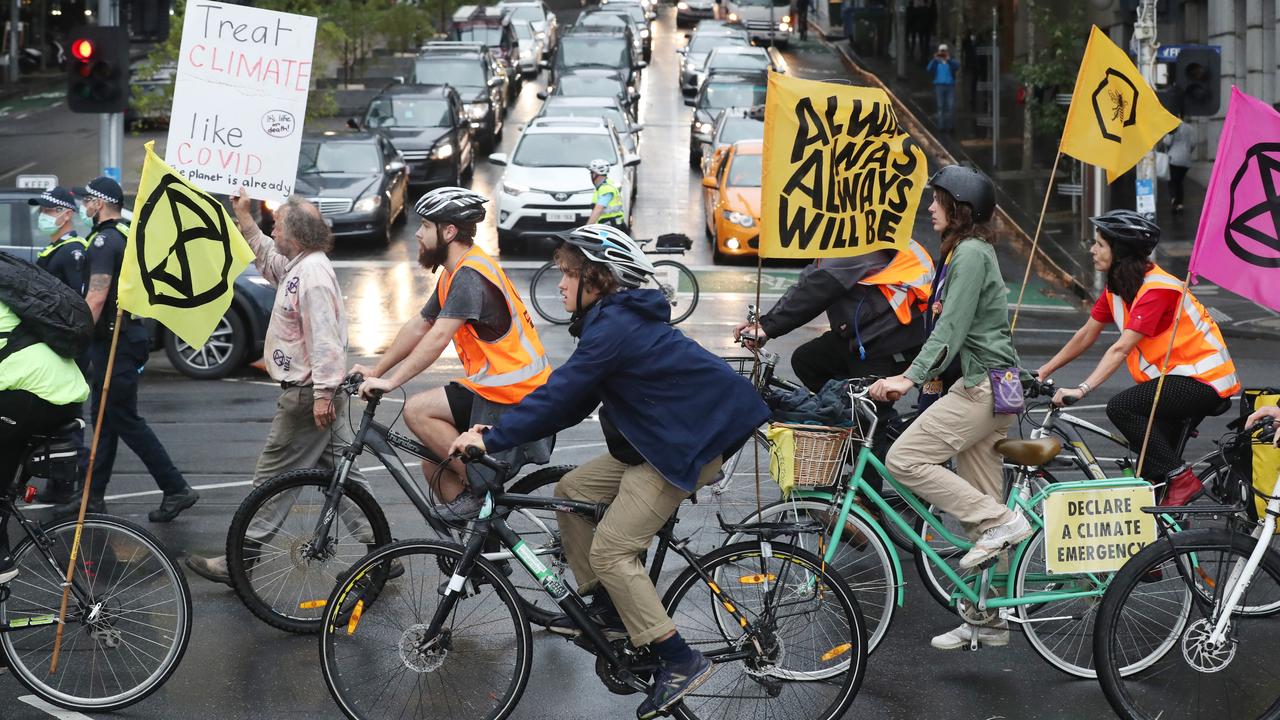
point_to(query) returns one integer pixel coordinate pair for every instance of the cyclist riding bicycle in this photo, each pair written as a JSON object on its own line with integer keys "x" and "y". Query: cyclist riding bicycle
{"x": 1141, "y": 299}
{"x": 671, "y": 412}
{"x": 475, "y": 307}
{"x": 606, "y": 202}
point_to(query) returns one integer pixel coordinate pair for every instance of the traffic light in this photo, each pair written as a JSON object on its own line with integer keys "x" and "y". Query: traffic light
{"x": 1197, "y": 73}
{"x": 98, "y": 70}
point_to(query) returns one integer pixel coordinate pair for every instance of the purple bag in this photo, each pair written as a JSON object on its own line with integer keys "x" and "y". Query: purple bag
{"x": 1006, "y": 391}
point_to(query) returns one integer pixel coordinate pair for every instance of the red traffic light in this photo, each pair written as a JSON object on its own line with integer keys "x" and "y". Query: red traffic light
{"x": 82, "y": 49}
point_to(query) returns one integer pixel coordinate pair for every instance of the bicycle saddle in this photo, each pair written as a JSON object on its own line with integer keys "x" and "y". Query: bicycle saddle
{"x": 1029, "y": 452}
{"x": 61, "y": 431}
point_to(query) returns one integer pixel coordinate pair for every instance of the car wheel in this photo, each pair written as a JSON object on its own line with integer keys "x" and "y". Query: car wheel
{"x": 219, "y": 357}
{"x": 695, "y": 158}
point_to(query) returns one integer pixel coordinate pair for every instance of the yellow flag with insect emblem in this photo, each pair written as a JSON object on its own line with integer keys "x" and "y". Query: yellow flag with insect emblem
{"x": 1115, "y": 117}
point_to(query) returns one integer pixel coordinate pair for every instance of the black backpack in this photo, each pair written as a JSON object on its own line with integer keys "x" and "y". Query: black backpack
{"x": 49, "y": 311}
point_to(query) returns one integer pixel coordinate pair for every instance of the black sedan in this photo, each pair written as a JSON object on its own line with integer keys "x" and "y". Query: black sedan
{"x": 428, "y": 124}
{"x": 358, "y": 180}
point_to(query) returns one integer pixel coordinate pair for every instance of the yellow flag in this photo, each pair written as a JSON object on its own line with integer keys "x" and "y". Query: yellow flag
{"x": 841, "y": 176}
{"x": 1115, "y": 117}
{"x": 183, "y": 255}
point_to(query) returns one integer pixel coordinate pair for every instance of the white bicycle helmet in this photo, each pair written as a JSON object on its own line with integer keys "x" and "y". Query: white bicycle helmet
{"x": 453, "y": 205}
{"x": 598, "y": 166}
{"x": 610, "y": 246}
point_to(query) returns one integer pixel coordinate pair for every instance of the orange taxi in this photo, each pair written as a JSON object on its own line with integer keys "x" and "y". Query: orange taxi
{"x": 731, "y": 199}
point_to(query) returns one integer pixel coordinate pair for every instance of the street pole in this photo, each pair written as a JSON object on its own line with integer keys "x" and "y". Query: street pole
{"x": 995, "y": 89}
{"x": 900, "y": 37}
{"x": 1144, "y": 35}
{"x": 14, "y": 37}
{"x": 110, "y": 125}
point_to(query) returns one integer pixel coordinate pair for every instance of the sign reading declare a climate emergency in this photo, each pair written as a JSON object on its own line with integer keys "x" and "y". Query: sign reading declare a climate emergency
{"x": 841, "y": 176}
{"x": 239, "y": 98}
{"x": 1096, "y": 530}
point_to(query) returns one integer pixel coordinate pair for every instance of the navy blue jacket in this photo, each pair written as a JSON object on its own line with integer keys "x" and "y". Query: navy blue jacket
{"x": 677, "y": 404}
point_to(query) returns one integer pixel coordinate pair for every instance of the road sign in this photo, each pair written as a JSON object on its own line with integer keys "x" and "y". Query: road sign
{"x": 37, "y": 182}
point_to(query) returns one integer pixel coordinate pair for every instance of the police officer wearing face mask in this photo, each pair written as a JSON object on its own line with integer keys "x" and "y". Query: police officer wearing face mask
{"x": 65, "y": 257}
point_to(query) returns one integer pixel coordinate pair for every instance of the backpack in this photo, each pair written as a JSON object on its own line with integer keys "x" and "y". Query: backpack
{"x": 49, "y": 312}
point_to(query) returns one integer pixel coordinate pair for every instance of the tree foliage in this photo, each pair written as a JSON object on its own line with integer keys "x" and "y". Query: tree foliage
{"x": 1052, "y": 69}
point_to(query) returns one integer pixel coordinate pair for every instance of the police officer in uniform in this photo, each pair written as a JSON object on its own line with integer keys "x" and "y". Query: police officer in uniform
{"x": 606, "y": 203}
{"x": 65, "y": 255}
{"x": 102, "y": 200}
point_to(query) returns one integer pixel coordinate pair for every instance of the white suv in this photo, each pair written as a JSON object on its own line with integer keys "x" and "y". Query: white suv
{"x": 546, "y": 187}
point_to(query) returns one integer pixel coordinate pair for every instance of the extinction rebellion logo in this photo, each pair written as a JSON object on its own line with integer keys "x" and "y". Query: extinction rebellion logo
{"x": 1253, "y": 220}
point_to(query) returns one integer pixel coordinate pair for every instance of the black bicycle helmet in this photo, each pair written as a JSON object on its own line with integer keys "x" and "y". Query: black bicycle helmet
{"x": 1128, "y": 229}
{"x": 452, "y": 205}
{"x": 968, "y": 186}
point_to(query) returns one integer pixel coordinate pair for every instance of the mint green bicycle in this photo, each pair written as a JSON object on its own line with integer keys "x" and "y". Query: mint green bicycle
{"x": 1055, "y": 611}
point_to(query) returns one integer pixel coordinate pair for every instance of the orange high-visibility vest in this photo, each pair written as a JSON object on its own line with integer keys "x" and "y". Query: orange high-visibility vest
{"x": 1199, "y": 351}
{"x": 507, "y": 369}
{"x": 906, "y": 281}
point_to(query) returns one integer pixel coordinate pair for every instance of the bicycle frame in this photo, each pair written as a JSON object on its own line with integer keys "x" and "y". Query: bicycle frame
{"x": 1068, "y": 427}
{"x": 83, "y": 595}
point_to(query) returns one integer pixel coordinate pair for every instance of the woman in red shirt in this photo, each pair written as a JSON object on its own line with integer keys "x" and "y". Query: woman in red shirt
{"x": 1142, "y": 300}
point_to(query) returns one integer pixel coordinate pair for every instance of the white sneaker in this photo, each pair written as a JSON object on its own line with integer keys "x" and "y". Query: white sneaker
{"x": 996, "y": 540}
{"x": 995, "y": 636}
{"x": 8, "y": 574}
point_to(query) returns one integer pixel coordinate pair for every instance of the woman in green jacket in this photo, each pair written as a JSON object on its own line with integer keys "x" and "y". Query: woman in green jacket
{"x": 971, "y": 326}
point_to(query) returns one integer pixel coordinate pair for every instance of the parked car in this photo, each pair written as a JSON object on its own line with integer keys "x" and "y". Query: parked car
{"x": 732, "y": 125}
{"x": 489, "y": 27}
{"x": 731, "y": 198}
{"x": 359, "y": 181}
{"x": 719, "y": 91}
{"x": 236, "y": 341}
{"x": 471, "y": 70}
{"x": 596, "y": 107}
{"x": 747, "y": 58}
{"x": 428, "y": 125}
{"x": 546, "y": 187}
{"x": 545, "y": 26}
{"x": 689, "y": 12}
{"x": 598, "y": 50}
{"x": 702, "y": 42}
{"x": 765, "y": 20}
{"x": 529, "y": 49}
{"x": 593, "y": 82}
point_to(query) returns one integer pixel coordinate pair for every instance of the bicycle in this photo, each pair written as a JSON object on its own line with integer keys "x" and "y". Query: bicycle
{"x": 295, "y": 536}
{"x": 782, "y": 628}
{"x": 128, "y": 618}
{"x": 1190, "y": 601}
{"x": 674, "y": 279}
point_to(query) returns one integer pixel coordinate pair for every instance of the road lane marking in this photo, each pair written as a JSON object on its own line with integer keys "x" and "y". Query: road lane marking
{"x": 52, "y": 710}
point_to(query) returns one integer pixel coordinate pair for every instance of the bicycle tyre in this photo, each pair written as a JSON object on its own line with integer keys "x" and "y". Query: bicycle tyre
{"x": 541, "y": 532}
{"x": 105, "y": 534}
{"x": 470, "y": 651}
{"x": 546, "y": 297}
{"x": 868, "y": 569}
{"x": 1160, "y": 689}
{"x": 706, "y": 703}
{"x": 316, "y": 579}
{"x": 682, "y": 301}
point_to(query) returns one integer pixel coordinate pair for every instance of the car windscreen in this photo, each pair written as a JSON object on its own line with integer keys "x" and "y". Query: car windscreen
{"x": 737, "y": 61}
{"x": 706, "y": 42}
{"x": 588, "y": 85}
{"x": 745, "y": 171}
{"x": 609, "y": 52}
{"x": 529, "y": 13}
{"x": 719, "y": 95}
{"x": 736, "y": 129}
{"x": 524, "y": 30}
{"x": 484, "y": 34}
{"x": 408, "y": 112}
{"x": 568, "y": 149}
{"x": 338, "y": 157}
{"x": 456, "y": 71}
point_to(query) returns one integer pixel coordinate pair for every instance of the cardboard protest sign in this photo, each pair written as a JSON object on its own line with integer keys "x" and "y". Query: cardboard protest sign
{"x": 1096, "y": 530}
{"x": 239, "y": 98}
{"x": 841, "y": 176}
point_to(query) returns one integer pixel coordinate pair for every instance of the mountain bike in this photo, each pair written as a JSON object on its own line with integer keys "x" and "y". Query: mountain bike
{"x": 128, "y": 619}
{"x": 1198, "y": 602}
{"x": 674, "y": 279}
{"x": 296, "y": 535}
{"x": 449, "y": 637}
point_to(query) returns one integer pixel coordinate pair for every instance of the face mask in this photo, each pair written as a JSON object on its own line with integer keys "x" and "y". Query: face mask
{"x": 85, "y": 217}
{"x": 47, "y": 223}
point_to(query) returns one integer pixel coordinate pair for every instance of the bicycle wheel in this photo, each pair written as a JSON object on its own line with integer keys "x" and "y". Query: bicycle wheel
{"x": 680, "y": 286}
{"x": 122, "y": 639}
{"x": 372, "y": 653}
{"x": 540, "y": 531}
{"x": 1152, "y": 611}
{"x": 280, "y": 574}
{"x": 544, "y": 293}
{"x": 862, "y": 559}
{"x": 1223, "y": 482}
{"x": 808, "y": 622}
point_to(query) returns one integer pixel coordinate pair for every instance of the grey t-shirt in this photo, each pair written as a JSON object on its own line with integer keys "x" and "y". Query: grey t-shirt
{"x": 474, "y": 299}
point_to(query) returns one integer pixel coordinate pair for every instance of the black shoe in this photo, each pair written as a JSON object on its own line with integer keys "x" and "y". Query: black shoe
{"x": 173, "y": 505}
{"x": 71, "y": 509}
{"x": 601, "y": 610}
{"x": 58, "y": 493}
{"x": 673, "y": 683}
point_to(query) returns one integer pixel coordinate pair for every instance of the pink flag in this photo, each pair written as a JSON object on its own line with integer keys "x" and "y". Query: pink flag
{"x": 1238, "y": 243}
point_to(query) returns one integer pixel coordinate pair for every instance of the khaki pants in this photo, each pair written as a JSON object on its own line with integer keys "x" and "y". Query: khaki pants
{"x": 640, "y": 503}
{"x": 960, "y": 425}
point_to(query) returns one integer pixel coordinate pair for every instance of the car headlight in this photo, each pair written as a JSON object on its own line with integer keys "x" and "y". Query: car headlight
{"x": 786, "y": 19}
{"x": 702, "y": 127}
{"x": 514, "y": 189}
{"x": 738, "y": 218}
{"x": 540, "y": 35}
{"x": 368, "y": 204}
{"x": 682, "y": 6}
{"x": 733, "y": 17}
{"x": 644, "y": 32}
{"x": 784, "y": 25}
{"x": 477, "y": 111}
{"x": 443, "y": 152}
{"x": 732, "y": 243}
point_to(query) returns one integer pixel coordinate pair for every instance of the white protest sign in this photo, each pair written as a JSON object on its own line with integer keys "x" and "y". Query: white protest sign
{"x": 239, "y": 98}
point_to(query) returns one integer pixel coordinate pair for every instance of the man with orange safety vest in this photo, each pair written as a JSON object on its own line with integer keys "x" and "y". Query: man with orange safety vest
{"x": 874, "y": 303}
{"x": 475, "y": 307}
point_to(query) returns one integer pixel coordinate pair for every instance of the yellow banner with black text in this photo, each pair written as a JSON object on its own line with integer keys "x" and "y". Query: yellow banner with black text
{"x": 1097, "y": 530}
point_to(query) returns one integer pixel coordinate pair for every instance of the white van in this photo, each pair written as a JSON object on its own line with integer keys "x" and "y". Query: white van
{"x": 764, "y": 20}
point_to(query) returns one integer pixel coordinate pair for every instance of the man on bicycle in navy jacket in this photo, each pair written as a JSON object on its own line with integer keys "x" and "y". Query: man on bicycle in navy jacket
{"x": 671, "y": 411}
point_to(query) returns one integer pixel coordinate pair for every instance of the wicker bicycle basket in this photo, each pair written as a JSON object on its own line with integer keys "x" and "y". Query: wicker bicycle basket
{"x": 819, "y": 452}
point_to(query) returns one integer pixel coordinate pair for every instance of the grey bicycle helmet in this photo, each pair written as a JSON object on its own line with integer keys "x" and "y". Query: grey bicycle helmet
{"x": 969, "y": 186}
{"x": 1128, "y": 228}
{"x": 610, "y": 246}
{"x": 453, "y": 205}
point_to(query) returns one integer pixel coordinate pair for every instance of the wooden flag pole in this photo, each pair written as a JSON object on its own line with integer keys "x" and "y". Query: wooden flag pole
{"x": 1173, "y": 336}
{"x": 1035, "y": 242}
{"x": 755, "y": 373}
{"x": 84, "y": 494}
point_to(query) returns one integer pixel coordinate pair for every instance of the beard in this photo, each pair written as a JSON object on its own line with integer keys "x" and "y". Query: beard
{"x": 430, "y": 259}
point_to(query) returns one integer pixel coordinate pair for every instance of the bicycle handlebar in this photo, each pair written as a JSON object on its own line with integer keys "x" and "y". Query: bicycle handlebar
{"x": 479, "y": 486}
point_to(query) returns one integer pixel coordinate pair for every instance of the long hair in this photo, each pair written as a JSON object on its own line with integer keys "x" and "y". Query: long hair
{"x": 960, "y": 223}
{"x": 1126, "y": 274}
